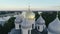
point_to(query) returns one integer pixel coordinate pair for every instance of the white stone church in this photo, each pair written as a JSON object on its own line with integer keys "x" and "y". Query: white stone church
{"x": 26, "y": 22}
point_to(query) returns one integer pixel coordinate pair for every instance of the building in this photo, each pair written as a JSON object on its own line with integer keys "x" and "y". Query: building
{"x": 40, "y": 23}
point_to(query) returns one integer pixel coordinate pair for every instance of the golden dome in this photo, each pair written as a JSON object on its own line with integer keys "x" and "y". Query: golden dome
{"x": 30, "y": 15}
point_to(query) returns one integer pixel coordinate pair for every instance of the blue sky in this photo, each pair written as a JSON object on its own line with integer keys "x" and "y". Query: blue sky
{"x": 25, "y": 3}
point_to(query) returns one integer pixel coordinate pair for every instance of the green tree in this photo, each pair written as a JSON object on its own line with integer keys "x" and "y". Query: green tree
{"x": 49, "y": 17}
{"x": 0, "y": 29}
{"x": 9, "y": 25}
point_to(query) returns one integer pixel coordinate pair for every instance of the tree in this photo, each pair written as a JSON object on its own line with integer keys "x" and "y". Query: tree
{"x": 0, "y": 29}
{"x": 9, "y": 25}
{"x": 49, "y": 17}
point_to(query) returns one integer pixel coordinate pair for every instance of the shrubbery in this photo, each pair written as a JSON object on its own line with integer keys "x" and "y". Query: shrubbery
{"x": 8, "y": 26}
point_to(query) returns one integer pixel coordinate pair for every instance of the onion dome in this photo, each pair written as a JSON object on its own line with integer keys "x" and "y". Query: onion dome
{"x": 30, "y": 15}
{"x": 28, "y": 20}
{"x": 40, "y": 20}
{"x": 18, "y": 19}
{"x": 54, "y": 27}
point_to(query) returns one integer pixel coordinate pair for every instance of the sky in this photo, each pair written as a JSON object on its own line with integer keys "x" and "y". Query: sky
{"x": 23, "y": 4}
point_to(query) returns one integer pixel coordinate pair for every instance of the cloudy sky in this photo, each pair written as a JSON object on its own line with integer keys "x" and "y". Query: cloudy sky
{"x": 34, "y": 4}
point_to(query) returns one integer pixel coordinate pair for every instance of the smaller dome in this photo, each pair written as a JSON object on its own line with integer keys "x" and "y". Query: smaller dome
{"x": 40, "y": 20}
{"x": 19, "y": 19}
{"x": 54, "y": 27}
{"x": 23, "y": 14}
